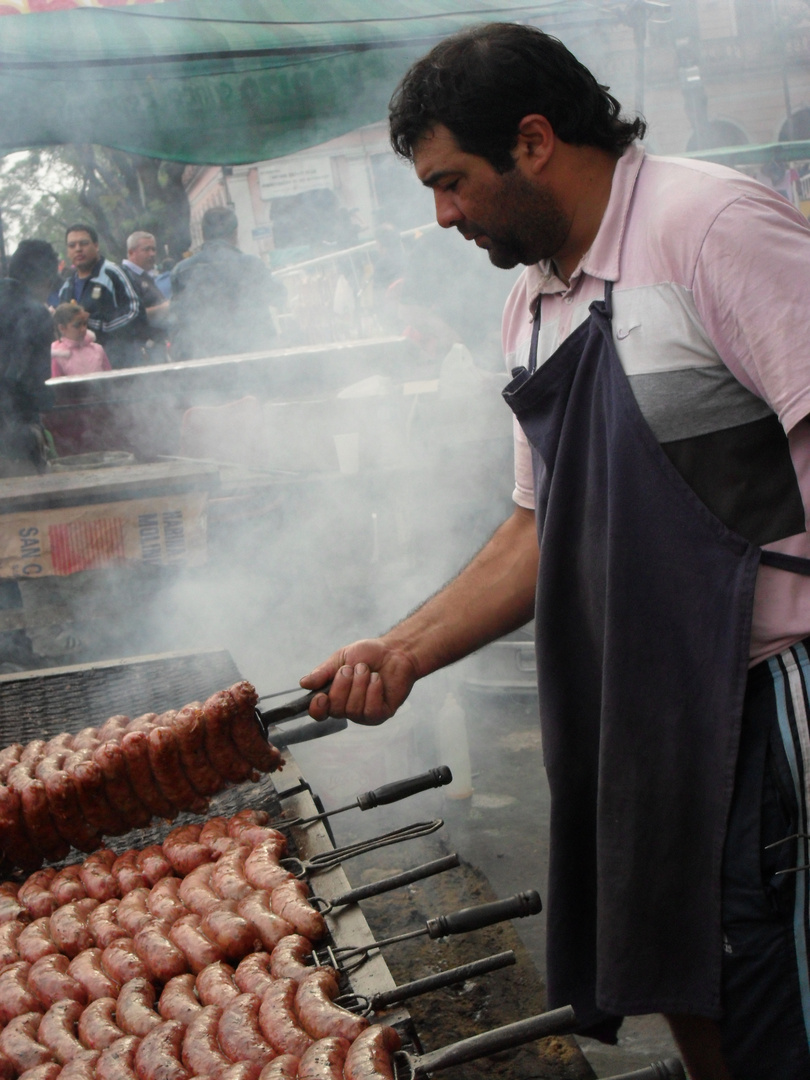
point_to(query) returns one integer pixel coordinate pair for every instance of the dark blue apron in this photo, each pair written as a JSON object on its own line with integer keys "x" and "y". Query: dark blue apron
{"x": 643, "y": 623}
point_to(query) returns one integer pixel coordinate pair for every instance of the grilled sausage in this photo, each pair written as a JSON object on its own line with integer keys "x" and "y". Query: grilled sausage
{"x": 38, "y": 821}
{"x": 178, "y": 1000}
{"x": 112, "y": 730}
{"x": 92, "y": 791}
{"x": 103, "y": 924}
{"x": 33, "y": 751}
{"x": 153, "y": 864}
{"x": 49, "y": 763}
{"x": 279, "y": 1022}
{"x": 144, "y": 722}
{"x": 290, "y": 901}
{"x": 162, "y": 957}
{"x": 69, "y": 928}
{"x": 18, "y": 1042}
{"x": 35, "y": 893}
{"x": 50, "y": 981}
{"x": 240, "y": 1070}
{"x": 127, "y": 873}
{"x": 57, "y": 1030}
{"x": 198, "y": 949}
{"x": 262, "y": 867}
{"x": 215, "y": 985}
{"x": 284, "y": 1067}
{"x": 228, "y": 879}
{"x": 227, "y": 929}
{"x": 50, "y": 1070}
{"x": 132, "y": 912}
{"x": 135, "y": 748}
{"x": 164, "y": 758}
{"x": 183, "y": 850}
{"x": 195, "y": 890}
{"x": 164, "y": 901}
{"x": 214, "y": 835}
{"x": 121, "y": 962}
{"x": 318, "y": 1013}
{"x": 14, "y": 843}
{"x": 96, "y": 875}
{"x": 86, "y": 969}
{"x": 158, "y": 1055}
{"x": 70, "y": 822}
{"x": 117, "y": 1062}
{"x": 109, "y": 757}
{"x": 289, "y": 958}
{"x": 9, "y": 757}
{"x": 10, "y": 934}
{"x": 16, "y": 997}
{"x": 81, "y": 1067}
{"x": 220, "y": 749}
{"x": 67, "y": 885}
{"x": 201, "y": 1052}
{"x": 269, "y": 927}
{"x": 369, "y": 1056}
{"x": 97, "y": 1026}
{"x": 11, "y": 909}
{"x": 189, "y": 731}
{"x": 86, "y": 739}
{"x": 324, "y": 1059}
{"x": 250, "y": 741}
{"x": 135, "y": 1008}
{"x": 240, "y": 1035}
{"x": 35, "y": 941}
{"x": 252, "y": 974}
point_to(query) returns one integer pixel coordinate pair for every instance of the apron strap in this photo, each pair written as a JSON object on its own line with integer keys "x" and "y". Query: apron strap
{"x": 536, "y": 323}
{"x": 793, "y": 563}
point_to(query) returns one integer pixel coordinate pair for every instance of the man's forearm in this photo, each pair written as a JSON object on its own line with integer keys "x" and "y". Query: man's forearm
{"x": 492, "y": 595}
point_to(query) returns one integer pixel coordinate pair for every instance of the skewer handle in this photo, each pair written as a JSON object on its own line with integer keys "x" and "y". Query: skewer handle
{"x": 473, "y": 918}
{"x": 402, "y": 789}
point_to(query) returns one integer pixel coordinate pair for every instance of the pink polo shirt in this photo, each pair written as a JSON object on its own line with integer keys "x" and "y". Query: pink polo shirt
{"x": 711, "y": 273}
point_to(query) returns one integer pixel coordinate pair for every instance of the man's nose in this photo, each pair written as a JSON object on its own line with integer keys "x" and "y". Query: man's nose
{"x": 447, "y": 213}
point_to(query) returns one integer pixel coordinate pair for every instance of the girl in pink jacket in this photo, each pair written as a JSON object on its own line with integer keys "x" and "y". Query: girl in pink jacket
{"x": 76, "y": 352}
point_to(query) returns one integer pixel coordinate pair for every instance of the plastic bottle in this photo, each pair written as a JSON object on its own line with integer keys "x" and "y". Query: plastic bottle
{"x": 454, "y": 748}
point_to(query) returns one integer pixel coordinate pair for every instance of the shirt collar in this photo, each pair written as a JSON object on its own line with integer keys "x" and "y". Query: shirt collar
{"x": 603, "y": 258}
{"x": 133, "y": 266}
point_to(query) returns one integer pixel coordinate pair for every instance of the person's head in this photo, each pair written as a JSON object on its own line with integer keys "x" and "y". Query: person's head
{"x": 142, "y": 250}
{"x": 220, "y": 223}
{"x": 480, "y": 84}
{"x": 35, "y": 265}
{"x": 81, "y": 242}
{"x": 70, "y": 321}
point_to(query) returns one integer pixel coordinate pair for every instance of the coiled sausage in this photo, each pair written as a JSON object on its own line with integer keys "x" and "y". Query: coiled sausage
{"x": 289, "y": 958}
{"x": 164, "y": 900}
{"x": 50, "y": 981}
{"x": 135, "y": 1010}
{"x": 324, "y": 1059}
{"x": 132, "y": 912}
{"x": 189, "y": 730}
{"x": 121, "y": 962}
{"x": 369, "y": 1056}
{"x": 96, "y": 875}
{"x": 82, "y": 1067}
{"x": 228, "y": 879}
{"x": 252, "y": 974}
{"x": 69, "y": 928}
{"x": 117, "y": 1062}
{"x": 35, "y": 893}
{"x": 67, "y": 885}
{"x": 18, "y": 1042}
{"x": 198, "y": 949}
{"x": 215, "y": 985}
{"x": 164, "y": 758}
{"x": 127, "y": 873}
{"x": 284, "y": 1067}
{"x": 97, "y": 1026}
{"x": 262, "y": 867}
{"x": 86, "y": 969}
{"x": 153, "y": 864}
{"x": 16, "y": 997}
{"x": 220, "y": 749}
{"x": 57, "y": 1030}
{"x": 178, "y": 1000}
{"x": 240, "y": 1035}
{"x": 158, "y": 1056}
{"x": 103, "y": 924}
{"x": 227, "y": 929}
{"x": 318, "y": 1013}
{"x": 183, "y": 849}
{"x": 279, "y": 1022}
{"x": 201, "y": 1051}
{"x": 35, "y": 940}
{"x": 269, "y": 927}
{"x": 290, "y": 901}
{"x": 195, "y": 890}
{"x": 162, "y": 957}
{"x": 135, "y": 748}
{"x": 10, "y": 934}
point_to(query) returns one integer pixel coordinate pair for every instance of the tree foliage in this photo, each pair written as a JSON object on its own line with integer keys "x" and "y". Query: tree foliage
{"x": 43, "y": 191}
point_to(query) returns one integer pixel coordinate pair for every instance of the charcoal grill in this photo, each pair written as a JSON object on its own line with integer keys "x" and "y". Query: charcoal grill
{"x": 41, "y": 704}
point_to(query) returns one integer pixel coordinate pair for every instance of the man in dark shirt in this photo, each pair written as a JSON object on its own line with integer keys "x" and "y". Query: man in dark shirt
{"x": 104, "y": 291}
{"x": 153, "y": 317}
{"x": 221, "y": 297}
{"x": 26, "y": 333}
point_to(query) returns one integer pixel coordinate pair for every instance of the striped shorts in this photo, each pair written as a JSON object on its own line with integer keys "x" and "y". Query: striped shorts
{"x": 766, "y": 878}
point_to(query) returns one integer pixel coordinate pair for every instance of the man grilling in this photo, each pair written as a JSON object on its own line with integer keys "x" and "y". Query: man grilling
{"x": 662, "y": 389}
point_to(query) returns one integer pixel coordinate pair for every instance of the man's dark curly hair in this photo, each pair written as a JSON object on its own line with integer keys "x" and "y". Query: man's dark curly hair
{"x": 480, "y": 83}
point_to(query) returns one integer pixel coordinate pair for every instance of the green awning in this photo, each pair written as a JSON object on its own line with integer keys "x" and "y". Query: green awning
{"x": 220, "y": 81}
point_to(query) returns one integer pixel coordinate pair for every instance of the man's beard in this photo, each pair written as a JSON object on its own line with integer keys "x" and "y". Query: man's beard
{"x": 532, "y": 226}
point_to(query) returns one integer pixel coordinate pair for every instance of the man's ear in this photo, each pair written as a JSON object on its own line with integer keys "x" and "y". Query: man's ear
{"x": 535, "y": 142}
